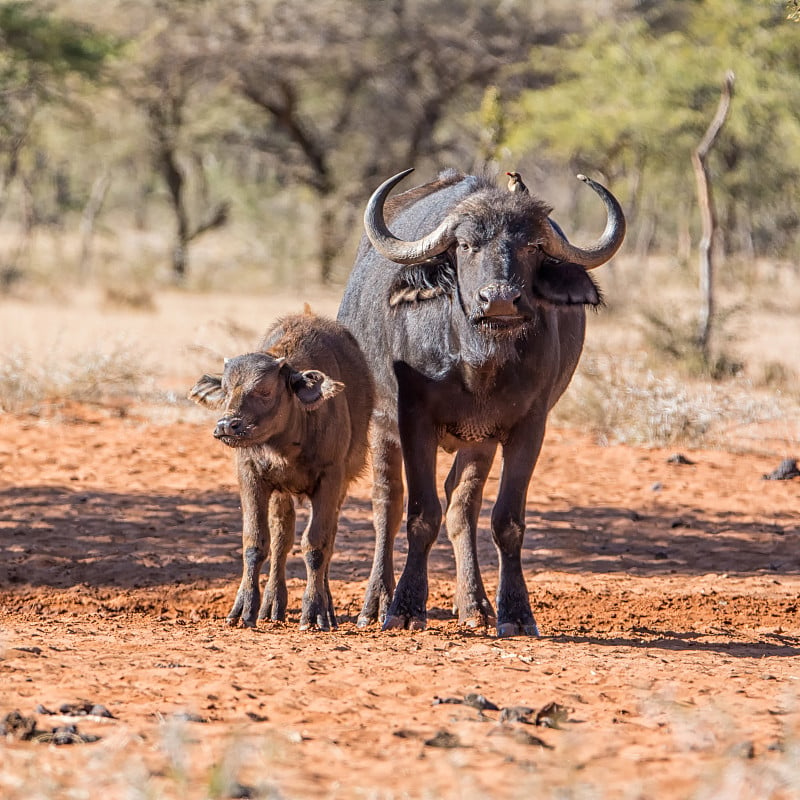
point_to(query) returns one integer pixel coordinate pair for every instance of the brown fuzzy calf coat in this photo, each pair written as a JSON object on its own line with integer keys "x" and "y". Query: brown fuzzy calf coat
{"x": 297, "y": 412}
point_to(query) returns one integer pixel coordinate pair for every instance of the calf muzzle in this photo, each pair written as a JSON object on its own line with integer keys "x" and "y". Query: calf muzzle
{"x": 228, "y": 427}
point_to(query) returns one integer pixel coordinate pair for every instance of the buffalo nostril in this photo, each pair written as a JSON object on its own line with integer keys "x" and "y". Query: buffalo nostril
{"x": 228, "y": 427}
{"x": 499, "y": 298}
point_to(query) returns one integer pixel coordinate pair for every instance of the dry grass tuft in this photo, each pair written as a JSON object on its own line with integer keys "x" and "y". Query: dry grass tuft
{"x": 95, "y": 376}
{"x": 136, "y": 298}
{"x": 620, "y": 399}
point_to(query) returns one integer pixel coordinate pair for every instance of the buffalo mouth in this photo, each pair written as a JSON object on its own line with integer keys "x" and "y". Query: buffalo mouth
{"x": 501, "y": 324}
{"x": 243, "y": 439}
{"x": 234, "y": 441}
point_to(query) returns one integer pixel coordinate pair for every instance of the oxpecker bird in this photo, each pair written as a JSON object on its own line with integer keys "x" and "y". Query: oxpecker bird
{"x": 515, "y": 183}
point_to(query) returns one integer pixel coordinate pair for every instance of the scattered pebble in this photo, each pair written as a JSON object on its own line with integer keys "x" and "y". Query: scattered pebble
{"x": 516, "y": 714}
{"x": 553, "y": 715}
{"x": 444, "y": 739}
{"x": 786, "y": 470}
{"x": 480, "y": 702}
{"x": 23, "y": 729}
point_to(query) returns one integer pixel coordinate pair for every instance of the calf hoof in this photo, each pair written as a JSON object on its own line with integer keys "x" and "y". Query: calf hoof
{"x": 397, "y": 622}
{"x": 320, "y": 624}
{"x": 319, "y": 616}
{"x": 507, "y": 629}
{"x": 235, "y": 622}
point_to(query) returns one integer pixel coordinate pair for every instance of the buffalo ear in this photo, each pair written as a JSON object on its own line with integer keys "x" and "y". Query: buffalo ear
{"x": 425, "y": 281}
{"x": 566, "y": 284}
{"x": 313, "y": 388}
{"x": 208, "y": 392}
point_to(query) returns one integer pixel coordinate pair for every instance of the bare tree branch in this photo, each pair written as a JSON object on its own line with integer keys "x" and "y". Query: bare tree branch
{"x": 708, "y": 214}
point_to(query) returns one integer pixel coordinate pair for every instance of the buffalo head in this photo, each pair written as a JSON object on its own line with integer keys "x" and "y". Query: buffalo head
{"x": 257, "y": 393}
{"x": 499, "y": 252}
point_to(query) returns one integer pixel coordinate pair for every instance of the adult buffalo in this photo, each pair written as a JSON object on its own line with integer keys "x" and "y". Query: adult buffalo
{"x": 472, "y": 340}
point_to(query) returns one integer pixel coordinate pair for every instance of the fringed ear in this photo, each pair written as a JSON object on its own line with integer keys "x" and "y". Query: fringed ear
{"x": 566, "y": 284}
{"x": 208, "y": 392}
{"x": 425, "y": 281}
{"x": 313, "y": 388}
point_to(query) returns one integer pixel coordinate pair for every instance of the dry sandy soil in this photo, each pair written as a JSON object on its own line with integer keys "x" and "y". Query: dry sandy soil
{"x": 666, "y": 594}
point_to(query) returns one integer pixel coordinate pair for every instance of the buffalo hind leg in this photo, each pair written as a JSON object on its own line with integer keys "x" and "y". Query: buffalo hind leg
{"x": 408, "y": 608}
{"x": 464, "y": 491}
{"x": 387, "y": 514}
{"x": 281, "y": 540}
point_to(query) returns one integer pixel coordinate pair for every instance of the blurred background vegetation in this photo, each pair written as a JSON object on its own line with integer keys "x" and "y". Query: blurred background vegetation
{"x": 148, "y": 146}
{"x": 198, "y": 140}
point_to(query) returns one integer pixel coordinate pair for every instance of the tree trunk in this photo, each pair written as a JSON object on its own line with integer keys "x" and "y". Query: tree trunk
{"x": 88, "y": 218}
{"x": 174, "y": 179}
{"x": 708, "y": 216}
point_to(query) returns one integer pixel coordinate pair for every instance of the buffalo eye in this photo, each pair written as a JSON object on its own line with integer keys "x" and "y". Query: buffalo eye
{"x": 465, "y": 247}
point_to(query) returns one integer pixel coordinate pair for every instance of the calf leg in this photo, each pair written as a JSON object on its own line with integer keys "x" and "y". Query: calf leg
{"x": 464, "y": 490}
{"x": 318, "y": 541}
{"x": 387, "y": 514}
{"x": 418, "y": 437}
{"x": 255, "y": 498}
{"x": 281, "y": 539}
{"x": 514, "y": 615}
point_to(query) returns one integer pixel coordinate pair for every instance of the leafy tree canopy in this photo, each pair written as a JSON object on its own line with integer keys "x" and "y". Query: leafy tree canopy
{"x": 634, "y": 98}
{"x": 59, "y": 45}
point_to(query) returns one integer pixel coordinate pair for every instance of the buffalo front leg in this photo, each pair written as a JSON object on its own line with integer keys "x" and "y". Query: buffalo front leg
{"x": 514, "y": 615}
{"x": 281, "y": 539}
{"x": 255, "y": 498}
{"x": 464, "y": 490}
{"x": 387, "y": 514}
{"x": 318, "y": 541}
{"x": 408, "y": 608}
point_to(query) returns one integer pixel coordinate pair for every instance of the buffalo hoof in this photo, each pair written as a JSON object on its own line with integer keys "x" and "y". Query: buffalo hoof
{"x": 507, "y": 629}
{"x": 273, "y": 608}
{"x": 322, "y": 621}
{"x": 319, "y": 625}
{"x": 400, "y": 622}
{"x": 235, "y": 622}
{"x": 477, "y": 621}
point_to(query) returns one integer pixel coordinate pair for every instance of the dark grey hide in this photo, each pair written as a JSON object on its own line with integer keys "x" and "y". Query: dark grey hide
{"x": 473, "y": 321}
{"x": 297, "y": 431}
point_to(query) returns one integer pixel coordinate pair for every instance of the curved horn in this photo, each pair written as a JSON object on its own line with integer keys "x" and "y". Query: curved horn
{"x": 557, "y": 245}
{"x": 388, "y": 245}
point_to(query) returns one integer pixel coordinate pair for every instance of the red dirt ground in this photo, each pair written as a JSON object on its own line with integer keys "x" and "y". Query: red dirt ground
{"x": 667, "y": 597}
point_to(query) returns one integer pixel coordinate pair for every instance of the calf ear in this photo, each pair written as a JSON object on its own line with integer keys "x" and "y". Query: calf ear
{"x": 208, "y": 392}
{"x": 566, "y": 284}
{"x": 313, "y": 388}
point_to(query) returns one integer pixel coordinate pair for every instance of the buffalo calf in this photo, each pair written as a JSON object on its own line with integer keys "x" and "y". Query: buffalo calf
{"x": 297, "y": 431}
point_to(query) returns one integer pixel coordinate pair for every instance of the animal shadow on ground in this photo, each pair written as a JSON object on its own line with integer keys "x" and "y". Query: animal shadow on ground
{"x": 59, "y": 537}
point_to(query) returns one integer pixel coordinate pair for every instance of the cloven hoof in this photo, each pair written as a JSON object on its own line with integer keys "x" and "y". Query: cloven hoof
{"x": 507, "y": 629}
